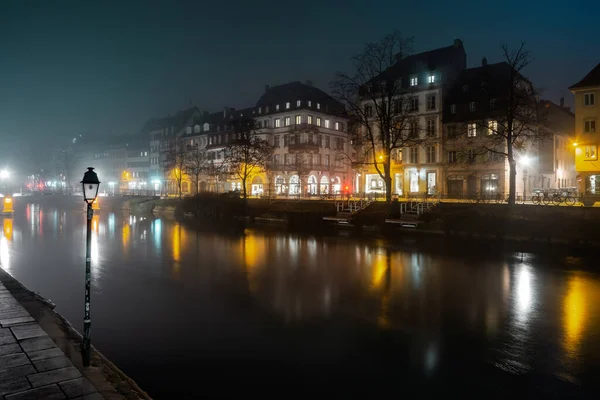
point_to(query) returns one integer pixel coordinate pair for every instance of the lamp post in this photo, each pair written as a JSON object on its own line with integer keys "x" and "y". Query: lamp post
{"x": 90, "y": 184}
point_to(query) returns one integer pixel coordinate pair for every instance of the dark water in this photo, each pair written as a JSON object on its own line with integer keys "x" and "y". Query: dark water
{"x": 190, "y": 314}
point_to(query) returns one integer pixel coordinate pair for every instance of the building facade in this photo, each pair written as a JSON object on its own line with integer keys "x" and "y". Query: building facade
{"x": 587, "y": 138}
{"x": 425, "y": 79}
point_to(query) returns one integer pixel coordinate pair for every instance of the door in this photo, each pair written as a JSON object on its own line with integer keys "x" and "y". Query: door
{"x": 455, "y": 188}
{"x": 472, "y": 186}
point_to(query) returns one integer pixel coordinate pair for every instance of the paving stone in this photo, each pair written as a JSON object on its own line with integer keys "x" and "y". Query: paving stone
{"x": 13, "y": 385}
{"x": 10, "y": 349}
{"x": 16, "y": 372}
{"x": 5, "y": 332}
{"x": 77, "y": 387}
{"x": 36, "y": 344}
{"x": 50, "y": 392}
{"x": 13, "y": 360}
{"x": 14, "y": 321}
{"x": 45, "y": 354}
{"x": 16, "y": 313}
{"x": 54, "y": 376}
{"x": 7, "y": 340}
{"x": 52, "y": 363}
{"x": 28, "y": 331}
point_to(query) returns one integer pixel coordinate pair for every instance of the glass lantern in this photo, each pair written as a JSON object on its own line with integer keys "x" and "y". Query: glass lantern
{"x": 90, "y": 184}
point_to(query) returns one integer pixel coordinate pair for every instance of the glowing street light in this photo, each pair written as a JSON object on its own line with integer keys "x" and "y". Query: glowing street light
{"x": 4, "y": 174}
{"x": 90, "y": 184}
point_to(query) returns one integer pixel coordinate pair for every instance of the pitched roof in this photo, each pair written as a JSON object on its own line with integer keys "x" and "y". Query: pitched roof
{"x": 428, "y": 60}
{"x": 487, "y": 80}
{"x": 293, "y": 91}
{"x": 591, "y": 79}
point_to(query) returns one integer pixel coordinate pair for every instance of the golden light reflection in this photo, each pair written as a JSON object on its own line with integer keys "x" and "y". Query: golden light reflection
{"x": 380, "y": 265}
{"x": 178, "y": 239}
{"x": 8, "y": 228}
{"x": 253, "y": 252}
{"x": 575, "y": 313}
{"x": 95, "y": 223}
{"x": 126, "y": 237}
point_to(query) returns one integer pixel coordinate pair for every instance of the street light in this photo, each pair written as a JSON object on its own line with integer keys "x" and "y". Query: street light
{"x": 90, "y": 184}
{"x": 4, "y": 174}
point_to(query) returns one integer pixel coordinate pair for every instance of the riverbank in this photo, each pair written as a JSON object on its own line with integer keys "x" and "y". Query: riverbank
{"x": 40, "y": 353}
{"x": 537, "y": 226}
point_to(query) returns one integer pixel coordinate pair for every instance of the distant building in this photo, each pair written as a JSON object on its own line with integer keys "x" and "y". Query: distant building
{"x": 587, "y": 136}
{"x": 308, "y": 131}
{"x": 475, "y": 162}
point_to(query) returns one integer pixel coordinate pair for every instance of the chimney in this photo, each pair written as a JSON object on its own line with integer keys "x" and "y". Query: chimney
{"x": 484, "y": 61}
{"x": 309, "y": 83}
{"x": 266, "y": 88}
{"x": 458, "y": 43}
{"x": 562, "y": 102}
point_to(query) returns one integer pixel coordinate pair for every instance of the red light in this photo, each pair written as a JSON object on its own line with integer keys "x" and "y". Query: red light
{"x": 346, "y": 187}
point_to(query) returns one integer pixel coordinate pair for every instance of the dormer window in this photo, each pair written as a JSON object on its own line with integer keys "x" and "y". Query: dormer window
{"x": 472, "y": 106}
{"x": 298, "y": 103}
{"x": 276, "y": 107}
{"x": 453, "y": 109}
{"x": 414, "y": 81}
{"x": 318, "y": 106}
{"x": 206, "y": 127}
{"x": 287, "y": 105}
{"x": 465, "y": 88}
{"x": 310, "y": 103}
{"x": 259, "y": 110}
{"x": 431, "y": 78}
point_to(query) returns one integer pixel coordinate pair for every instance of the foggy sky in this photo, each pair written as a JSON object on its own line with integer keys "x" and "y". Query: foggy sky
{"x": 104, "y": 67}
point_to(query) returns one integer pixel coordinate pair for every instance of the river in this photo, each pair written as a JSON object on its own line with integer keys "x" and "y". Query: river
{"x": 190, "y": 313}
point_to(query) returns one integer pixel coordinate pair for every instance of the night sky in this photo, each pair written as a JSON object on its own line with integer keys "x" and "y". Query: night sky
{"x": 103, "y": 67}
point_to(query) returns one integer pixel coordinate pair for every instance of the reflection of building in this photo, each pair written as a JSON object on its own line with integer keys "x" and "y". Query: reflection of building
{"x": 587, "y": 116}
{"x": 425, "y": 79}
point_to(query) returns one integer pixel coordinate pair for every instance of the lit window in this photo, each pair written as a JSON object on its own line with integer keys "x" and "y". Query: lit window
{"x": 298, "y": 119}
{"x": 472, "y": 106}
{"x": 326, "y": 123}
{"x": 589, "y": 99}
{"x": 472, "y": 130}
{"x": 276, "y": 107}
{"x": 337, "y": 126}
{"x": 298, "y": 103}
{"x": 287, "y": 121}
{"x": 453, "y": 109}
{"x": 431, "y": 79}
{"x": 589, "y": 125}
{"x": 277, "y": 122}
{"x": 318, "y": 106}
{"x": 309, "y": 119}
{"x": 414, "y": 81}
{"x": 287, "y": 105}
{"x": 318, "y": 121}
{"x": 591, "y": 152}
{"x": 492, "y": 127}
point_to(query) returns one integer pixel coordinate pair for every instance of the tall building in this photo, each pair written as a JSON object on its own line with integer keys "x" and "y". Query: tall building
{"x": 587, "y": 116}
{"x": 425, "y": 79}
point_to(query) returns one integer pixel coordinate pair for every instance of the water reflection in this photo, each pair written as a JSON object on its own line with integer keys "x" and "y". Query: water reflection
{"x": 337, "y": 300}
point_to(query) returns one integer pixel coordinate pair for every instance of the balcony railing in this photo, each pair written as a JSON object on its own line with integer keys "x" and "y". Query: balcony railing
{"x": 303, "y": 127}
{"x": 304, "y": 146}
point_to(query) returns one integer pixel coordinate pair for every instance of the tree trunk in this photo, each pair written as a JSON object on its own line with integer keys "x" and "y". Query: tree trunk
{"x": 244, "y": 187}
{"x": 512, "y": 181}
{"x": 388, "y": 181}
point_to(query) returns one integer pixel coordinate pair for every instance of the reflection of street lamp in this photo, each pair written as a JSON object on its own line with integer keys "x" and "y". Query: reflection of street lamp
{"x": 90, "y": 185}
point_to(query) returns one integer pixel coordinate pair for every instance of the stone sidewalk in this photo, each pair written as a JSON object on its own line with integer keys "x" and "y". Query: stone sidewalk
{"x": 32, "y": 366}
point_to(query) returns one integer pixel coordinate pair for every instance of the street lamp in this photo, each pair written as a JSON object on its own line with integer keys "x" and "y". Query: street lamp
{"x": 90, "y": 184}
{"x": 4, "y": 174}
{"x": 525, "y": 161}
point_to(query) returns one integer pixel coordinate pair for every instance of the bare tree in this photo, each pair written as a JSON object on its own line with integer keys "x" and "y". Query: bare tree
{"x": 175, "y": 161}
{"x": 513, "y": 126}
{"x": 196, "y": 164}
{"x": 248, "y": 154}
{"x": 379, "y": 104}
